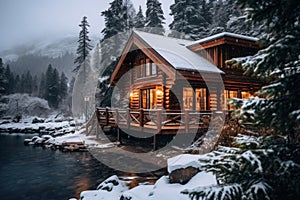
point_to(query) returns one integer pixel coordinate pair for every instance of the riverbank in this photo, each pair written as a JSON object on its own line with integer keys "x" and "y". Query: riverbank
{"x": 53, "y": 125}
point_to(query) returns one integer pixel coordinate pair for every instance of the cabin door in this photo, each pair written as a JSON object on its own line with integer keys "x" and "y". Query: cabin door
{"x": 147, "y": 97}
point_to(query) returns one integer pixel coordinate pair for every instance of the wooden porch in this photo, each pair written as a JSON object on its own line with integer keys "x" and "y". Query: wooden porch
{"x": 151, "y": 122}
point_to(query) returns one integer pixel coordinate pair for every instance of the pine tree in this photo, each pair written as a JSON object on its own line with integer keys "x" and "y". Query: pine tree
{"x": 28, "y": 83}
{"x": 63, "y": 87}
{"x": 35, "y": 85}
{"x": 255, "y": 168}
{"x": 115, "y": 35}
{"x": 9, "y": 83}
{"x": 154, "y": 17}
{"x": 84, "y": 46}
{"x": 268, "y": 166}
{"x": 42, "y": 86}
{"x": 17, "y": 87}
{"x": 52, "y": 86}
{"x": 190, "y": 19}
{"x": 139, "y": 21}
{"x": 116, "y": 19}
{"x": 2, "y": 78}
{"x": 277, "y": 66}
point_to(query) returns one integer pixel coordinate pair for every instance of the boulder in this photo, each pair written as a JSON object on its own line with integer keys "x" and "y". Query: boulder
{"x": 182, "y": 175}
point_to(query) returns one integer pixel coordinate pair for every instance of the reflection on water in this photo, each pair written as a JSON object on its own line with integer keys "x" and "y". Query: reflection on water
{"x": 30, "y": 173}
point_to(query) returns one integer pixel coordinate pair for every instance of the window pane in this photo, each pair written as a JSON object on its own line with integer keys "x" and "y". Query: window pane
{"x": 246, "y": 95}
{"x": 147, "y": 69}
{"x": 188, "y": 98}
{"x": 154, "y": 70}
{"x": 228, "y": 94}
{"x": 142, "y": 67}
{"x": 201, "y": 99}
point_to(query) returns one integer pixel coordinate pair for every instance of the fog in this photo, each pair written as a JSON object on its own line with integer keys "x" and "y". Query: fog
{"x": 22, "y": 21}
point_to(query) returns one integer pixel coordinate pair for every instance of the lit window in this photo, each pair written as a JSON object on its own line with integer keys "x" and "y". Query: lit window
{"x": 201, "y": 99}
{"x": 188, "y": 98}
{"x": 228, "y": 94}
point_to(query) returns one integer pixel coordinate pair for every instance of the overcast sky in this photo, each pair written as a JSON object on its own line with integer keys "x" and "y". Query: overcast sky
{"x": 25, "y": 20}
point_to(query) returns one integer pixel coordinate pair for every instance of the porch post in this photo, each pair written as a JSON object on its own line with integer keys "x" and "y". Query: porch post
{"x": 141, "y": 117}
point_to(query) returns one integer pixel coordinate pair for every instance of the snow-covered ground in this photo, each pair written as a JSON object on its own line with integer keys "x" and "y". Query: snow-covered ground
{"x": 114, "y": 188}
{"x": 30, "y": 124}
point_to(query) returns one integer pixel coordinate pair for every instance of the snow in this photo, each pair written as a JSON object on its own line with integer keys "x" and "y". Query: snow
{"x": 162, "y": 189}
{"x": 183, "y": 161}
{"x": 177, "y": 54}
{"x": 111, "y": 188}
{"x": 219, "y": 35}
{"x": 24, "y": 104}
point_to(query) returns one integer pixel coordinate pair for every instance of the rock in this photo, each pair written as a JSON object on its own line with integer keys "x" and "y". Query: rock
{"x": 5, "y": 122}
{"x": 182, "y": 175}
{"x": 36, "y": 120}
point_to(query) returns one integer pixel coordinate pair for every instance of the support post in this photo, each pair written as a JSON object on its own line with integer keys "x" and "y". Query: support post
{"x": 106, "y": 116}
{"x": 97, "y": 131}
{"x": 154, "y": 142}
{"x": 141, "y": 117}
{"x": 186, "y": 121}
{"x": 159, "y": 120}
{"x": 119, "y": 135}
{"x": 128, "y": 118}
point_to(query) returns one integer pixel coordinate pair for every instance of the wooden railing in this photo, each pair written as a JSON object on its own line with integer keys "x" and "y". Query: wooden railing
{"x": 154, "y": 118}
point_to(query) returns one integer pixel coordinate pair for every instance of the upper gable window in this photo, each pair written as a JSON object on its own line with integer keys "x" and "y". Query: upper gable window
{"x": 146, "y": 68}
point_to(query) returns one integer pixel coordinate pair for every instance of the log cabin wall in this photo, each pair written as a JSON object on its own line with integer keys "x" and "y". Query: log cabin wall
{"x": 236, "y": 83}
{"x": 146, "y": 75}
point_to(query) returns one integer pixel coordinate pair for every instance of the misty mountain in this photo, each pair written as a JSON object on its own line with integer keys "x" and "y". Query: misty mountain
{"x": 35, "y": 56}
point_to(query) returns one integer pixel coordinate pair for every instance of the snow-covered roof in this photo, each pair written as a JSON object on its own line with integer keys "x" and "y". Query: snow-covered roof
{"x": 219, "y": 35}
{"x": 175, "y": 52}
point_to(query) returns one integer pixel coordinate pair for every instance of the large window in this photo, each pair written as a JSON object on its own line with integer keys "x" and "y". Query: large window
{"x": 148, "y": 98}
{"x": 194, "y": 99}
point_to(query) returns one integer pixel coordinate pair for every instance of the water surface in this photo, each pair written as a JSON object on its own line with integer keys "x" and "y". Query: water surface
{"x": 36, "y": 173}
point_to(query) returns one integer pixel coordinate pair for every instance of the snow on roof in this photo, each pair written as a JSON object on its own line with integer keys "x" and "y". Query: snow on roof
{"x": 213, "y": 37}
{"x": 177, "y": 54}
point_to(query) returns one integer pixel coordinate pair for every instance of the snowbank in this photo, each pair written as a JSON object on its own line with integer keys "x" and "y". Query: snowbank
{"x": 162, "y": 189}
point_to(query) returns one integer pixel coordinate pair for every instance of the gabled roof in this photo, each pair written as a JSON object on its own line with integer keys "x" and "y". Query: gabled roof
{"x": 176, "y": 53}
{"x": 223, "y": 34}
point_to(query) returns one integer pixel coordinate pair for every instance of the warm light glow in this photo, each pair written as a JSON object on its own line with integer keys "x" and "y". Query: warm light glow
{"x": 131, "y": 94}
{"x": 86, "y": 98}
{"x": 159, "y": 92}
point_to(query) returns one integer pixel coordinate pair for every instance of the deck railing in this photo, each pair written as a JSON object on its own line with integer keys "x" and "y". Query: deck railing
{"x": 153, "y": 118}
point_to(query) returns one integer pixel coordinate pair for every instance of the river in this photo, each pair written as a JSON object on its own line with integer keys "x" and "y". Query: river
{"x": 36, "y": 173}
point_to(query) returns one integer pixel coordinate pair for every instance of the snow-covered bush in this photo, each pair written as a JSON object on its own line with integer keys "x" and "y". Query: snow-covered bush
{"x": 23, "y": 104}
{"x": 256, "y": 168}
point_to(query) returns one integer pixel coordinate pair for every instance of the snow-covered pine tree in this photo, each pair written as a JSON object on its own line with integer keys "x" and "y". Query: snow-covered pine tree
{"x": 117, "y": 21}
{"x": 278, "y": 66}
{"x": 84, "y": 46}
{"x": 265, "y": 167}
{"x": 139, "y": 21}
{"x": 255, "y": 168}
{"x": 154, "y": 17}
{"x": 190, "y": 19}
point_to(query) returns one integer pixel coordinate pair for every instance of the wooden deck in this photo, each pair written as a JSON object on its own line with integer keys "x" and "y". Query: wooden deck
{"x": 151, "y": 122}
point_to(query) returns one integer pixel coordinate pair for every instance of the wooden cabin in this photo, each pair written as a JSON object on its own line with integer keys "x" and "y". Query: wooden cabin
{"x": 158, "y": 72}
{"x": 171, "y": 86}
